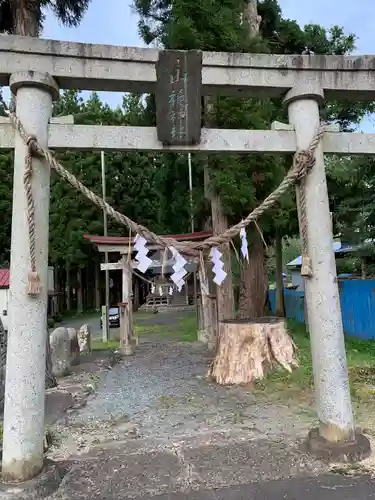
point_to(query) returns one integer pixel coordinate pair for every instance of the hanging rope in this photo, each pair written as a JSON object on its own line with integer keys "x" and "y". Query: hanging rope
{"x": 33, "y": 278}
{"x": 302, "y": 163}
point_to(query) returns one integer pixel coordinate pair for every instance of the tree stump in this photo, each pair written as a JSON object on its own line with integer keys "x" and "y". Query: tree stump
{"x": 248, "y": 348}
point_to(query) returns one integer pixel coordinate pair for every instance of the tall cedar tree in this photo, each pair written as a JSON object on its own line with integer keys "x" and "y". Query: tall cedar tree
{"x": 242, "y": 182}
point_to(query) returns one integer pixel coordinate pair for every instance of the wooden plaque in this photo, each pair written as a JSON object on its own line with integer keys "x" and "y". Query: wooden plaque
{"x": 178, "y": 97}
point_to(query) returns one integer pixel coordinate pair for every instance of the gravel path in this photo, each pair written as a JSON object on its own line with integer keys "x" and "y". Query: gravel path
{"x": 161, "y": 393}
{"x": 163, "y": 390}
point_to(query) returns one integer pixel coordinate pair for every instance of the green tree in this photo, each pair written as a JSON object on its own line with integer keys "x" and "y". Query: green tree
{"x": 219, "y": 26}
{"x": 26, "y": 17}
{"x": 351, "y": 182}
{"x": 6, "y": 183}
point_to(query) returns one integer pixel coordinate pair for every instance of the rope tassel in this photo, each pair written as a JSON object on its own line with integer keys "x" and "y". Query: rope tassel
{"x": 306, "y": 267}
{"x": 33, "y": 285}
{"x": 33, "y": 288}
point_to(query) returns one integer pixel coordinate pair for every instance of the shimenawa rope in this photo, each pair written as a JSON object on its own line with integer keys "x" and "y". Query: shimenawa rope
{"x": 303, "y": 162}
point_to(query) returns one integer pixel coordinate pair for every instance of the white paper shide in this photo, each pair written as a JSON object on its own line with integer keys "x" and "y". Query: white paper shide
{"x": 178, "y": 268}
{"x": 143, "y": 262}
{"x": 218, "y": 268}
{"x": 244, "y": 246}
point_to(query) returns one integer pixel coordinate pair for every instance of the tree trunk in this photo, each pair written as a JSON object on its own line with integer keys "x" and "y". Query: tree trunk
{"x": 280, "y": 305}
{"x": 224, "y": 292}
{"x": 68, "y": 291}
{"x": 248, "y": 349}
{"x": 79, "y": 291}
{"x": 253, "y": 279}
{"x": 363, "y": 268}
{"x": 251, "y": 17}
{"x": 253, "y": 274}
{"x": 26, "y": 15}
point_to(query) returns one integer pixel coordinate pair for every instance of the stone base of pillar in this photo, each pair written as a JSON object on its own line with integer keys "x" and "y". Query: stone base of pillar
{"x": 346, "y": 452}
{"x": 128, "y": 350}
{"x": 45, "y": 483}
{"x": 203, "y": 335}
{"x": 211, "y": 345}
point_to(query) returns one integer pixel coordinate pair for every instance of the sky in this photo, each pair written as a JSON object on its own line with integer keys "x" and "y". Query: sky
{"x": 119, "y": 26}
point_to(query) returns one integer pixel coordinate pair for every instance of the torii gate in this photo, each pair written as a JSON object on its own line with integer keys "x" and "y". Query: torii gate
{"x": 124, "y": 245}
{"x": 36, "y": 69}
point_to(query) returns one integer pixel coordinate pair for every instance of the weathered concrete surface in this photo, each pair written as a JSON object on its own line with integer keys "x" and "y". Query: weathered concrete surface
{"x": 57, "y": 401}
{"x": 155, "y": 427}
{"x": 119, "y": 138}
{"x": 256, "y": 470}
{"x": 61, "y": 354}
{"x": 325, "y": 487}
{"x": 331, "y": 380}
{"x": 25, "y": 367}
{"x": 127, "y": 69}
{"x": 74, "y": 346}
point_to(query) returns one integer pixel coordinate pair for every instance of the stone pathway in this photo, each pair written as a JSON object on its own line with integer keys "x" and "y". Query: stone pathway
{"x": 162, "y": 393}
{"x": 156, "y": 427}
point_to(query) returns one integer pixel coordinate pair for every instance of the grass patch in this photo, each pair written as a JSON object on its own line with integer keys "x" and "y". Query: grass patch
{"x": 99, "y": 345}
{"x": 183, "y": 330}
{"x": 299, "y": 383}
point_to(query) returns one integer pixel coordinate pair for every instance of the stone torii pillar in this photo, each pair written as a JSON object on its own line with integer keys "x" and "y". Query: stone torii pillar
{"x": 336, "y": 434}
{"x": 25, "y": 369}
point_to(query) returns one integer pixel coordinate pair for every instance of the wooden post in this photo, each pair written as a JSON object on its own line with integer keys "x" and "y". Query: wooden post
{"x": 207, "y": 332}
{"x": 136, "y": 295}
{"x": 126, "y": 325}
{"x": 126, "y": 308}
{"x": 97, "y": 286}
{"x": 280, "y": 305}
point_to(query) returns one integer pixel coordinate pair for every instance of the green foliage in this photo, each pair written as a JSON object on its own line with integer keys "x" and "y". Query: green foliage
{"x": 68, "y": 12}
{"x": 153, "y": 188}
{"x": 149, "y": 188}
{"x": 243, "y": 181}
{"x": 130, "y": 182}
{"x": 298, "y": 385}
{"x": 6, "y": 174}
{"x": 351, "y": 183}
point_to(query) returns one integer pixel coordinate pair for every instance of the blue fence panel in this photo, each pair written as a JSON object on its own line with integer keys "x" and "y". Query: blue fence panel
{"x": 294, "y": 304}
{"x": 357, "y": 298}
{"x": 272, "y": 299}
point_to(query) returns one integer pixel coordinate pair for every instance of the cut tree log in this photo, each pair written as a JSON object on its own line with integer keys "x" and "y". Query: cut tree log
{"x": 247, "y": 350}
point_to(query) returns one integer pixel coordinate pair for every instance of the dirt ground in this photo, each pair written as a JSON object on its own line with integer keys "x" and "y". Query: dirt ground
{"x": 152, "y": 423}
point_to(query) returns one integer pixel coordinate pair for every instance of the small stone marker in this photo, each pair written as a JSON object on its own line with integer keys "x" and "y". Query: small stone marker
{"x": 74, "y": 346}
{"x": 178, "y": 97}
{"x": 60, "y": 352}
{"x": 84, "y": 339}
